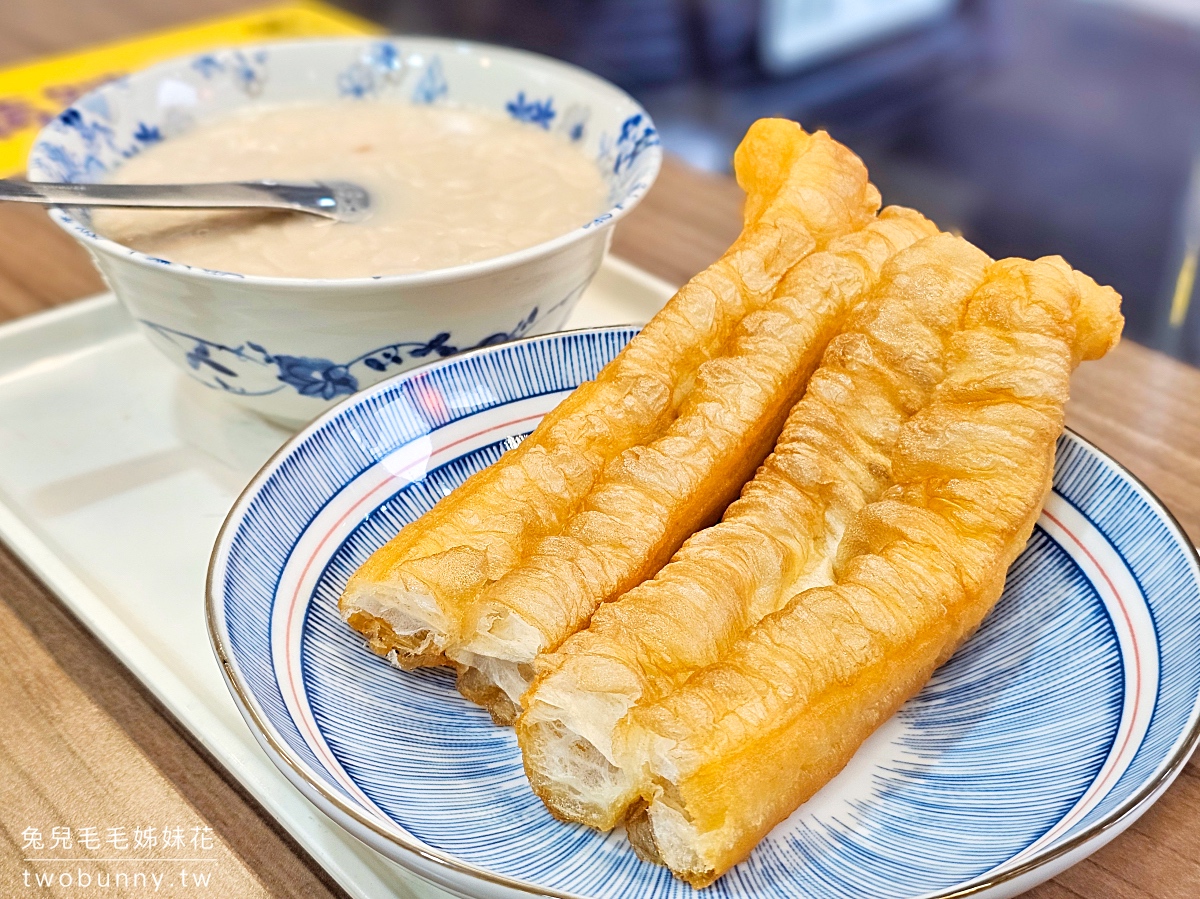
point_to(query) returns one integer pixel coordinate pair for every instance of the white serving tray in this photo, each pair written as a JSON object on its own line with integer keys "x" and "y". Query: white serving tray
{"x": 116, "y": 472}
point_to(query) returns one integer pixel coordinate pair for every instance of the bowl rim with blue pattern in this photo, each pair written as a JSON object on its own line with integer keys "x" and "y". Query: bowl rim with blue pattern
{"x": 637, "y": 164}
{"x": 450, "y": 871}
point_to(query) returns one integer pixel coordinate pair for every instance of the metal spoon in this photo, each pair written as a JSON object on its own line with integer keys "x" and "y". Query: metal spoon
{"x": 337, "y": 200}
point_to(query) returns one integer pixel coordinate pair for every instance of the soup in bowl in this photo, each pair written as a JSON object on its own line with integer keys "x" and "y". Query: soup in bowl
{"x": 496, "y": 177}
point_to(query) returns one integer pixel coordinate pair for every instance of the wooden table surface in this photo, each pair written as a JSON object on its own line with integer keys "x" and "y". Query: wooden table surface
{"x": 85, "y": 744}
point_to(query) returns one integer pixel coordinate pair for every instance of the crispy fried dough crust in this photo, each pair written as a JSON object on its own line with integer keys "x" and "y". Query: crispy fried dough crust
{"x": 780, "y": 536}
{"x": 802, "y": 191}
{"x": 743, "y": 742}
{"x": 652, "y": 497}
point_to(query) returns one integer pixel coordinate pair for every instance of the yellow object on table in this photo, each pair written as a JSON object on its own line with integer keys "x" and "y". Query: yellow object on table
{"x": 32, "y": 94}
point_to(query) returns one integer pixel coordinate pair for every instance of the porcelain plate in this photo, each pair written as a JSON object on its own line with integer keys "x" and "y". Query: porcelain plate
{"x": 1057, "y": 724}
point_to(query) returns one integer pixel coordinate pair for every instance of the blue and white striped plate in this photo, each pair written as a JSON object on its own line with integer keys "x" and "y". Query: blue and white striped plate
{"x": 1059, "y": 723}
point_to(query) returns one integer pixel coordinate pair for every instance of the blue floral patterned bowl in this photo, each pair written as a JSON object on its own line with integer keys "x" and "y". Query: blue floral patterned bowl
{"x": 289, "y": 347}
{"x": 1050, "y": 731}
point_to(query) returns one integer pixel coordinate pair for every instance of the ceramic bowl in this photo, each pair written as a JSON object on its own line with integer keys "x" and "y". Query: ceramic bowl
{"x": 289, "y": 347}
{"x": 1064, "y": 717}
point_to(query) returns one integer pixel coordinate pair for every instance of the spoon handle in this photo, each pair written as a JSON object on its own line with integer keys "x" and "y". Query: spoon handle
{"x": 336, "y": 200}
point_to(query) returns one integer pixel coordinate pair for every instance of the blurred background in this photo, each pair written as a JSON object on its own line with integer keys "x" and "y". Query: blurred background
{"x": 1033, "y": 126}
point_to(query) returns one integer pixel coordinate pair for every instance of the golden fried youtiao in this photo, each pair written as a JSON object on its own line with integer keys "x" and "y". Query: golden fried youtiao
{"x": 742, "y": 743}
{"x": 654, "y": 496}
{"x": 779, "y": 537}
{"x": 407, "y": 599}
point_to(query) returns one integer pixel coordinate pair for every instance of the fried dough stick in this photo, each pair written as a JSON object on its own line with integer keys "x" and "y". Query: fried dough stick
{"x": 654, "y": 496}
{"x": 802, "y": 191}
{"x": 744, "y": 742}
{"x": 832, "y": 458}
